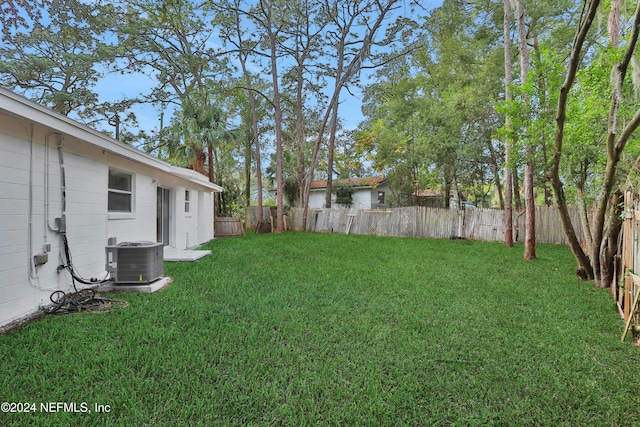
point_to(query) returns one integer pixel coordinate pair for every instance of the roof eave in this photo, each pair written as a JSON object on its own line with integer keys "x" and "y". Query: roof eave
{"x": 25, "y": 109}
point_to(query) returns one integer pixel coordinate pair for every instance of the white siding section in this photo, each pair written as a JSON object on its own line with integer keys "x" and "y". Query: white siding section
{"x": 140, "y": 225}
{"x": 317, "y": 198}
{"x": 86, "y": 204}
{"x": 361, "y": 199}
{"x": 205, "y": 216}
{"x": 196, "y": 226}
{"x": 21, "y": 292}
{"x": 182, "y": 228}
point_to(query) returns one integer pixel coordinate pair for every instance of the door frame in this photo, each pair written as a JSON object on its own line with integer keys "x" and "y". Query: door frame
{"x": 164, "y": 216}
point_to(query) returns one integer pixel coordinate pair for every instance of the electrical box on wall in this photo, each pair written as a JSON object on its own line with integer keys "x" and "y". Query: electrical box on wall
{"x": 40, "y": 259}
{"x": 61, "y": 224}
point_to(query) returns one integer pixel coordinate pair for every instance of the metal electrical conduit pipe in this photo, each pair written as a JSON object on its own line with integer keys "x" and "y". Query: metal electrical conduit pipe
{"x": 65, "y": 251}
{"x": 84, "y": 299}
{"x": 32, "y": 268}
{"x": 47, "y": 224}
{"x": 63, "y": 188}
{"x": 33, "y": 274}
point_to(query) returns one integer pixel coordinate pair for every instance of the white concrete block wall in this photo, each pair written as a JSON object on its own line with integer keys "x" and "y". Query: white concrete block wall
{"x": 23, "y": 289}
{"x": 86, "y": 204}
{"x": 190, "y": 218}
{"x": 140, "y": 225}
{"x": 195, "y": 227}
{"x": 88, "y": 222}
{"x": 21, "y": 292}
{"x": 205, "y": 216}
{"x": 14, "y": 192}
{"x": 179, "y": 220}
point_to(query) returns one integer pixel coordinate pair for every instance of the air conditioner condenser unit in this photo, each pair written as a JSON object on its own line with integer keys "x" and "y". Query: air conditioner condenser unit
{"x": 135, "y": 262}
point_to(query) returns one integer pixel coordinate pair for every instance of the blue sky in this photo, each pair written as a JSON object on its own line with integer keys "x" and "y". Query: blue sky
{"x": 115, "y": 87}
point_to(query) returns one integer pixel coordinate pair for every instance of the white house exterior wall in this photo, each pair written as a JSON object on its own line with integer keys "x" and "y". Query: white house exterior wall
{"x": 205, "y": 209}
{"x": 188, "y": 232}
{"x": 361, "y": 199}
{"x": 23, "y": 178}
{"x": 24, "y": 288}
{"x": 317, "y": 198}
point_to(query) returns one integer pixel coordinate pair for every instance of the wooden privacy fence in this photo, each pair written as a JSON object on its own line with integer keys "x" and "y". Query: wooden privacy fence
{"x": 269, "y": 214}
{"x": 626, "y": 287}
{"x": 437, "y": 223}
{"x": 227, "y": 227}
{"x": 251, "y": 217}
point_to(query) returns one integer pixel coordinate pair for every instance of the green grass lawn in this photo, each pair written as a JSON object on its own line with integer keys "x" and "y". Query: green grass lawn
{"x": 310, "y": 329}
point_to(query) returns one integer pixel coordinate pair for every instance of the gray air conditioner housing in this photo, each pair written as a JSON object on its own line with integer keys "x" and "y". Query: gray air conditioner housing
{"x": 135, "y": 262}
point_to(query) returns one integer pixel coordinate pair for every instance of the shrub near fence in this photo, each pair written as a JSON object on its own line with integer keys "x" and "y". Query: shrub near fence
{"x": 436, "y": 223}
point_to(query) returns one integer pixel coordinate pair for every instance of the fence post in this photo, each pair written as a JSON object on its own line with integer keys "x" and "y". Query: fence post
{"x": 627, "y": 254}
{"x": 461, "y": 230}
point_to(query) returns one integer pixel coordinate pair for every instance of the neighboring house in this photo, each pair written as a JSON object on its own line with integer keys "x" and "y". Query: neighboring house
{"x": 369, "y": 193}
{"x": 56, "y": 175}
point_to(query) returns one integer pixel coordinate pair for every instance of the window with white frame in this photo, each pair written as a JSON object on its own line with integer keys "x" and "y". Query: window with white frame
{"x": 120, "y": 192}
{"x": 186, "y": 201}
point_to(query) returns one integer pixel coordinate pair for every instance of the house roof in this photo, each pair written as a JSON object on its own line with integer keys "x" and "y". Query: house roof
{"x": 428, "y": 193}
{"x": 366, "y": 182}
{"x": 22, "y": 108}
{"x": 438, "y": 193}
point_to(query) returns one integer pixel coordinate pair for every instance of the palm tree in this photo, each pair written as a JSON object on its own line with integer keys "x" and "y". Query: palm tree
{"x": 203, "y": 127}
{"x": 289, "y": 176}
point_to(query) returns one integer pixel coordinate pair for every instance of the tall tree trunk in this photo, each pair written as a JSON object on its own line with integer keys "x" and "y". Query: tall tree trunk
{"x": 267, "y": 10}
{"x": 508, "y": 178}
{"x": 616, "y": 142}
{"x": 299, "y": 131}
{"x": 247, "y": 172}
{"x": 609, "y": 246}
{"x": 210, "y": 160}
{"x": 333, "y": 126}
{"x": 314, "y": 160}
{"x": 278, "y": 128}
{"x": 584, "y": 212}
{"x": 529, "y": 197}
{"x": 530, "y": 215}
{"x": 495, "y": 169}
{"x": 517, "y": 198}
{"x": 253, "y": 106}
{"x": 585, "y": 270}
{"x": 449, "y": 181}
{"x": 256, "y": 138}
{"x": 541, "y": 79}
